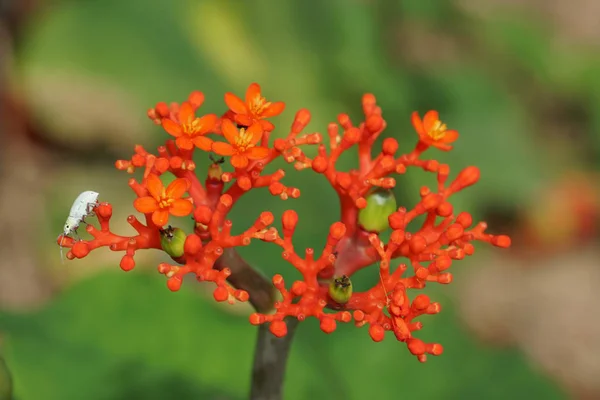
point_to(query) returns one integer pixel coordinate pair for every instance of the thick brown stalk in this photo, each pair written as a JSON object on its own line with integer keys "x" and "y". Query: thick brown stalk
{"x": 270, "y": 359}
{"x": 243, "y": 276}
{"x": 271, "y": 353}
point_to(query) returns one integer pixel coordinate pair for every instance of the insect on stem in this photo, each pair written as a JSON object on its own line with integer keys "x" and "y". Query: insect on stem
{"x": 83, "y": 206}
{"x": 219, "y": 160}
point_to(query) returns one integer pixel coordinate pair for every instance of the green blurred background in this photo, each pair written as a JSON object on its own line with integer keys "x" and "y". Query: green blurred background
{"x": 520, "y": 83}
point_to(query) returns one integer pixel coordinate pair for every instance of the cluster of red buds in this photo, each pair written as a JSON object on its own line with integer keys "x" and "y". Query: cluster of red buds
{"x": 368, "y": 207}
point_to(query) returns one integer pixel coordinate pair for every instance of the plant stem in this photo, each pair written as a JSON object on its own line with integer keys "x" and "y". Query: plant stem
{"x": 243, "y": 276}
{"x": 270, "y": 353}
{"x": 270, "y": 359}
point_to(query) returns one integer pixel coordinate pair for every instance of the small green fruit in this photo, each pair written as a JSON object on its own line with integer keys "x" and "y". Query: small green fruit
{"x": 340, "y": 289}
{"x": 381, "y": 203}
{"x": 172, "y": 241}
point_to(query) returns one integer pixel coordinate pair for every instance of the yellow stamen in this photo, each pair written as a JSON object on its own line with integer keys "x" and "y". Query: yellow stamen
{"x": 243, "y": 141}
{"x": 438, "y": 130}
{"x": 163, "y": 200}
{"x": 191, "y": 127}
{"x": 258, "y": 105}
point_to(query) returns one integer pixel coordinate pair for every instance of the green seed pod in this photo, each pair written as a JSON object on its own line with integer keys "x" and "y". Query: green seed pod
{"x": 172, "y": 241}
{"x": 381, "y": 203}
{"x": 340, "y": 289}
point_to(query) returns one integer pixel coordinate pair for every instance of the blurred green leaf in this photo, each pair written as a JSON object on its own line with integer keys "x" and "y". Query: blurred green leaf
{"x": 523, "y": 38}
{"x": 5, "y": 381}
{"x": 103, "y": 324}
{"x": 146, "y": 48}
{"x": 120, "y": 335}
{"x": 494, "y": 136}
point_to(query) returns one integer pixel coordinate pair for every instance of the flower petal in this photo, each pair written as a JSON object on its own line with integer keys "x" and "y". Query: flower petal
{"x": 256, "y": 153}
{"x": 186, "y": 113}
{"x": 181, "y": 208}
{"x": 145, "y": 204}
{"x": 235, "y": 104}
{"x": 160, "y": 217}
{"x": 196, "y": 98}
{"x": 430, "y": 118}
{"x": 184, "y": 142}
{"x": 252, "y": 93}
{"x": 242, "y": 119}
{"x": 228, "y": 115}
{"x": 222, "y": 148}
{"x": 229, "y": 131}
{"x": 449, "y": 136}
{"x": 239, "y": 161}
{"x": 256, "y": 131}
{"x": 202, "y": 142}
{"x": 266, "y": 125}
{"x": 177, "y": 188}
{"x": 418, "y": 123}
{"x": 171, "y": 127}
{"x": 274, "y": 109}
{"x": 442, "y": 146}
{"x": 207, "y": 123}
{"x": 154, "y": 186}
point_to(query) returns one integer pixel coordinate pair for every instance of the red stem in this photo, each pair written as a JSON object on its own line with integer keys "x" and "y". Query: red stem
{"x": 364, "y": 157}
{"x": 349, "y": 213}
{"x": 196, "y": 191}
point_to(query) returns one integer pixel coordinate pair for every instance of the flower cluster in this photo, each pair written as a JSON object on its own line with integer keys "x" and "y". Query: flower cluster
{"x": 367, "y": 204}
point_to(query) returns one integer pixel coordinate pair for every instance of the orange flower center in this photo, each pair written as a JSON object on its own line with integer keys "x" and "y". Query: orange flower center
{"x": 437, "y": 131}
{"x": 258, "y": 105}
{"x": 243, "y": 140}
{"x": 164, "y": 201}
{"x": 191, "y": 127}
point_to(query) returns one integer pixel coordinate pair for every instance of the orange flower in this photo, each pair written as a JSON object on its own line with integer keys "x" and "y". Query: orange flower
{"x": 163, "y": 202}
{"x": 255, "y": 109}
{"x": 242, "y": 144}
{"x": 432, "y": 131}
{"x": 189, "y": 130}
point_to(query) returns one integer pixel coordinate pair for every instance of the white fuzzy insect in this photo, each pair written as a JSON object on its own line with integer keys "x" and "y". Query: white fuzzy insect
{"x": 82, "y": 207}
